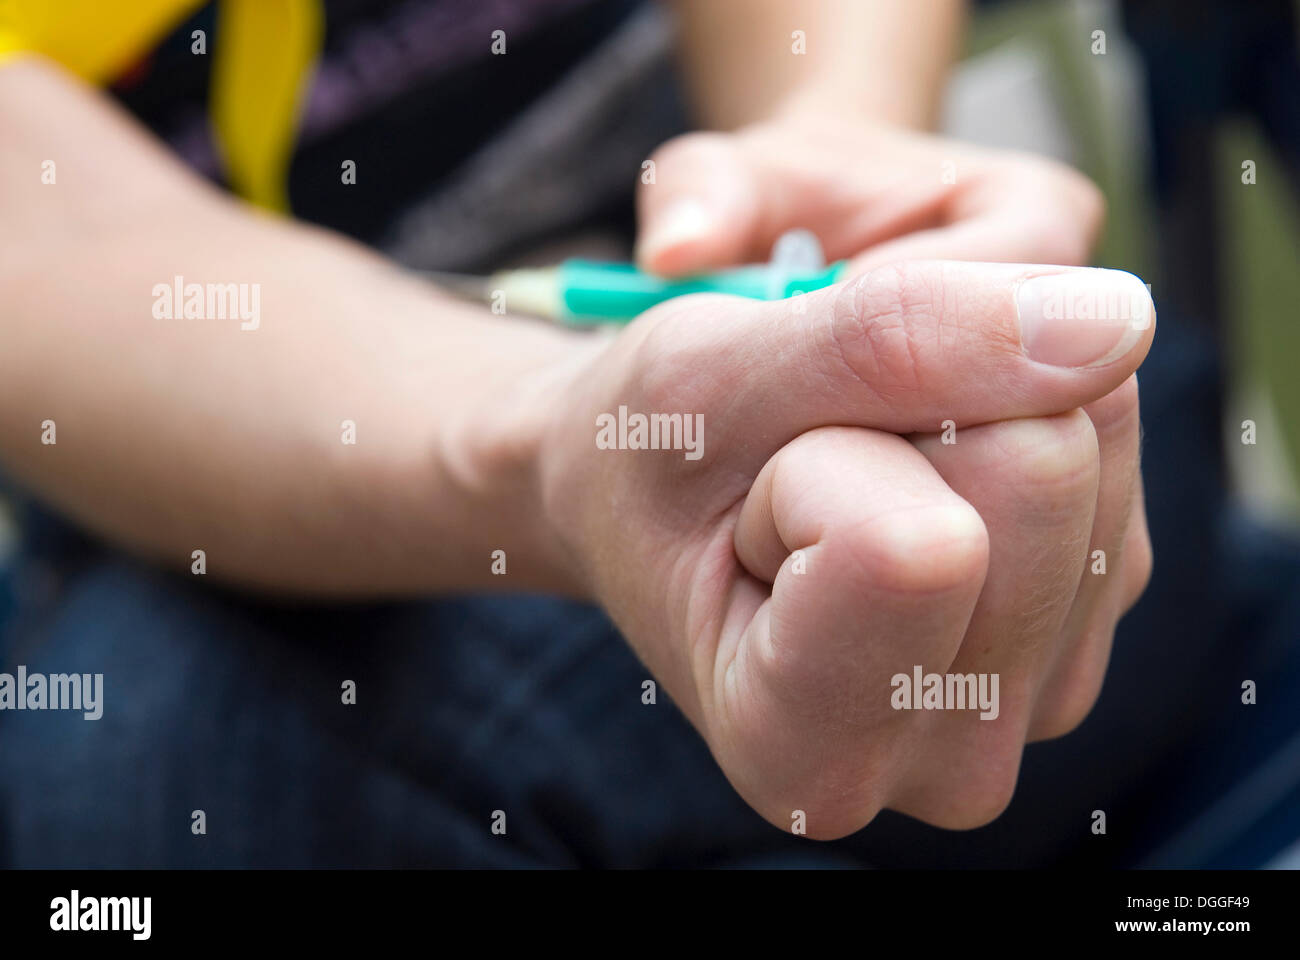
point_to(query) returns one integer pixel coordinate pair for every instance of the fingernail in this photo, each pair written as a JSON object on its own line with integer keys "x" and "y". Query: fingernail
{"x": 683, "y": 221}
{"x": 1082, "y": 318}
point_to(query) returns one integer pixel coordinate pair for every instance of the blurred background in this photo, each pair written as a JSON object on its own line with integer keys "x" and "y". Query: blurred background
{"x": 1163, "y": 121}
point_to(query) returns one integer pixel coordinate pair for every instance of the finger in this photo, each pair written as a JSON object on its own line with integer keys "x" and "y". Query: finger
{"x": 906, "y": 348}
{"x": 1034, "y": 482}
{"x": 1073, "y": 681}
{"x": 1001, "y": 236}
{"x": 1049, "y": 215}
{"x": 701, "y": 209}
{"x": 882, "y": 567}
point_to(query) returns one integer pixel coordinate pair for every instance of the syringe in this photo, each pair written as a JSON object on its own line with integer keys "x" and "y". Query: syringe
{"x": 590, "y": 292}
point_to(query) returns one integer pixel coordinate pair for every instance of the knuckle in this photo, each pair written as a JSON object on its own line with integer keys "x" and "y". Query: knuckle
{"x": 689, "y": 148}
{"x": 884, "y": 327}
{"x": 1049, "y": 243}
{"x": 987, "y": 801}
{"x": 979, "y": 790}
{"x": 1139, "y": 564}
{"x": 1085, "y": 198}
{"x": 1075, "y": 694}
{"x": 1063, "y": 186}
{"x": 1055, "y": 456}
{"x": 1117, "y": 414}
{"x": 676, "y": 362}
{"x": 845, "y": 796}
{"x": 831, "y": 813}
{"x": 1091, "y": 202}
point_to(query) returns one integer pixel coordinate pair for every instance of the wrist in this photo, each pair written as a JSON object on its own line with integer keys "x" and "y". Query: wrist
{"x": 492, "y": 454}
{"x": 839, "y": 105}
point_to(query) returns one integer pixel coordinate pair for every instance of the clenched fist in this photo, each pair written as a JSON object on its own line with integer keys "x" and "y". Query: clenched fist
{"x": 932, "y": 467}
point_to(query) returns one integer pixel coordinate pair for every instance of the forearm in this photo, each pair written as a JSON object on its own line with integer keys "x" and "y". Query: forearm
{"x": 883, "y": 60}
{"x": 180, "y": 434}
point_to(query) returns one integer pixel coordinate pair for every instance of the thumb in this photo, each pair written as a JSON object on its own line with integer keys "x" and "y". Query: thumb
{"x": 907, "y": 347}
{"x": 700, "y": 207}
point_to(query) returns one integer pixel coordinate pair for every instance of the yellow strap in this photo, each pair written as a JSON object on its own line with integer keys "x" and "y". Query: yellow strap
{"x": 95, "y": 39}
{"x": 263, "y": 58}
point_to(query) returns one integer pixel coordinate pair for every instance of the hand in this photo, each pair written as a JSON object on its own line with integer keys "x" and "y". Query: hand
{"x": 873, "y": 193}
{"x": 776, "y": 577}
